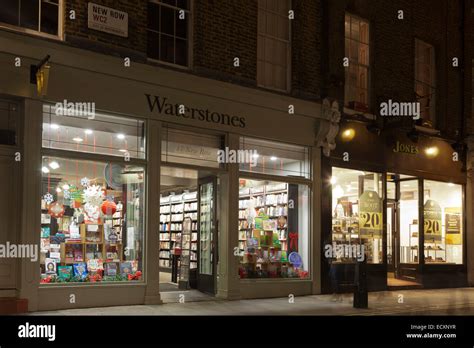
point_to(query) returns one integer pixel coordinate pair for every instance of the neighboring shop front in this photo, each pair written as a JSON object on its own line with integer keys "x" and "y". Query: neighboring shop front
{"x": 401, "y": 197}
{"x": 92, "y": 182}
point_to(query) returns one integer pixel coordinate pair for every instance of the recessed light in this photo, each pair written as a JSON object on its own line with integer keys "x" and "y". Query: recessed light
{"x": 54, "y": 126}
{"x": 273, "y": 158}
{"x": 88, "y": 131}
{"x": 78, "y": 140}
{"x": 123, "y": 150}
{"x": 450, "y": 184}
{"x": 45, "y": 170}
{"x": 54, "y": 165}
{"x": 121, "y": 136}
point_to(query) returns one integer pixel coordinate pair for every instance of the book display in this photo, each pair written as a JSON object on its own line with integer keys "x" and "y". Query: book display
{"x": 173, "y": 210}
{"x": 87, "y": 229}
{"x": 268, "y": 232}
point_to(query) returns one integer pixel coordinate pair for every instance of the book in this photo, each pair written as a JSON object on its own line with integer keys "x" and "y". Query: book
{"x": 45, "y": 232}
{"x": 80, "y": 270}
{"x": 45, "y": 218}
{"x": 78, "y": 255}
{"x": 110, "y": 269}
{"x": 125, "y": 268}
{"x": 65, "y": 272}
{"x": 45, "y": 245}
{"x": 50, "y": 266}
{"x": 95, "y": 265}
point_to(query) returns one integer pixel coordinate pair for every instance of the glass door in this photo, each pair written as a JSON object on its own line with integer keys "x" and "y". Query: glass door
{"x": 207, "y": 234}
{"x": 392, "y": 240}
{"x": 409, "y": 221}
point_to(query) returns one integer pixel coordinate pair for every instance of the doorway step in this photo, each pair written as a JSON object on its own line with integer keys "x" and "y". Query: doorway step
{"x": 400, "y": 284}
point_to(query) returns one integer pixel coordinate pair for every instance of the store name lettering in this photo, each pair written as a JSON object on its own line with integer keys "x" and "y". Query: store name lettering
{"x": 164, "y": 106}
{"x": 404, "y": 148}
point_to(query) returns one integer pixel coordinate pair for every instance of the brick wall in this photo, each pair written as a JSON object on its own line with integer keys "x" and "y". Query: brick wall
{"x": 437, "y": 22}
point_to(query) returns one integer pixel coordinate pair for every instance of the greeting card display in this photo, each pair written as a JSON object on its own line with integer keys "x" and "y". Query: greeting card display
{"x": 65, "y": 272}
{"x": 45, "y": 232}
{"x": 50, "y": 265}
{"x": 125, "y": 268}
{"x": 111, "y": 269}
{"x": 80, "y": 270}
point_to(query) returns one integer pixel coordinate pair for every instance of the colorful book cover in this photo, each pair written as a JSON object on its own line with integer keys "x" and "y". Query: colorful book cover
{"x": 111, "y": 269}
{"x": 50, "y": 266}
{"x": 125, "y": 268}
{"x": 45, "y": 232}
{"x": 65, "y": 272}
{"x": 45, "y": 245}
{"x": 95, "y": 265}
{"x": 80, "y": 270}
{"x": 78, "y": 256}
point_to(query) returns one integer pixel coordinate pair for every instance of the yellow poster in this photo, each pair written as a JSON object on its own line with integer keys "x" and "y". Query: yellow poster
{"x": 453, "y": 226}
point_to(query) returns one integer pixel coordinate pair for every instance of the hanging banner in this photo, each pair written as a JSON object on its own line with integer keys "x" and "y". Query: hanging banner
{"x": 370, "y": 215}
{"x": 432, "y": 224}
{"x": 452, "y": 218}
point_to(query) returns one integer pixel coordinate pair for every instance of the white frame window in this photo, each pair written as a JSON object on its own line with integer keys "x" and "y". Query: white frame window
{"x": 425, "y": 80}
{"x": 274, "y": 45}
{"x": 357, "y": 49}
{"x": 41, "y": 5}
{"x": 156, "y": 35}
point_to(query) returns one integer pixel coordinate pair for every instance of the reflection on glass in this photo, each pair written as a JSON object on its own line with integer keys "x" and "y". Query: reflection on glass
{"x": 205, "y": 228}
{"x": 409, "y": 228}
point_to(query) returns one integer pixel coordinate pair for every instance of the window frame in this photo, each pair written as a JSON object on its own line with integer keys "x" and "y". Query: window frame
{"x": 190, "y": 41}
{"x": 60, "y": 36}
{"x": 288, "y": 52}
{"x": 369, "y": 58}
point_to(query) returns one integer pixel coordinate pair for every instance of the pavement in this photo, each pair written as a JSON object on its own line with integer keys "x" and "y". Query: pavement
{"x": 459, "y": 301}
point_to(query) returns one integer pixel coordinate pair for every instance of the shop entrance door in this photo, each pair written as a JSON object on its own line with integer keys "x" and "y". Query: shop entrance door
{"x": 392, "y": 238}
{"x": 207, "y": 235}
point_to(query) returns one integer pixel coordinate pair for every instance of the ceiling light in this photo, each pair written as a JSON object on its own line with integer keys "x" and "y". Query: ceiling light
{"x": 54, "y": 126}
{"x": 77, "y": 139}
{"x": 450, "y": 184}
{"x": 255, "y": 155}
{"x": 121, "y": 136}
{"x": 88, "y": 131}
{"x": 54, "y": 165}
{"x": 273, "y": 158}
{"x": 45, "y": 170}
{"x": 123, "y": 150}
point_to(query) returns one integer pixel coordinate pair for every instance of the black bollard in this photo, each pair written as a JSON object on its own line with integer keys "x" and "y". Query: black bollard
{"x": 361, "y": 295}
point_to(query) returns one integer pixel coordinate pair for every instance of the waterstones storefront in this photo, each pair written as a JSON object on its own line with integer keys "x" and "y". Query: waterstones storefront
{"x": 126, "y": 195}
{"x": 401, "y": 199}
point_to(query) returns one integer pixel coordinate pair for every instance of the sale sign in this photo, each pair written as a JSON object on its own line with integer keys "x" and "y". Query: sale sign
{"x": 433, "y": 221}
{"x": 370, "y": 215}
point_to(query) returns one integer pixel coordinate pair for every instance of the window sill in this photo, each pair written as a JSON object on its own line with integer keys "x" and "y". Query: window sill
{"x": 352, "y": 112}
{"x": 169, "y": 65}
{"x": 26, "y": 31}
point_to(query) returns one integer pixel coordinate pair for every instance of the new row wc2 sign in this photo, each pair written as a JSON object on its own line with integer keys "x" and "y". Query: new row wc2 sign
{"x": 107, "y": 19}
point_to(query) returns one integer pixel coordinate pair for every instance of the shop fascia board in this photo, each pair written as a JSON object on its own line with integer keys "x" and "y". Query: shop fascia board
{"x": 238, "y": 99}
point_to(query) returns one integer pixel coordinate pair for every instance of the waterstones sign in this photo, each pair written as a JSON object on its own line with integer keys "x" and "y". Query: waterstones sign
{"x": 107, "y": 19}
{"x": 165, "y": 106}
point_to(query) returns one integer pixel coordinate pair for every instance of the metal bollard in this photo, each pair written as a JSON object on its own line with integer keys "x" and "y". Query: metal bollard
{"x": 361, "y": 295}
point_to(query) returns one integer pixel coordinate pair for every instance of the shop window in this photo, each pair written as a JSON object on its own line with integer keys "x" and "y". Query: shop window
{"x": 273, "y": 229}
{"x": 8, "y": 122}
{"x": 40, "y": 16}
{"x": 274, "y": 158}
{"x": 273, "y": 54}
{"x": 409, "y": 221}
{"x": 443, "y": 223}
{"x": 92, "y": 221}
{"x": 357, "y": 216}
{"x": 178, "y": 146}
{"x": 425, "y": 84}
{"x": 78, "y": 127}
{"x": 357, "y": 50}
{"x": 168, "y": 22}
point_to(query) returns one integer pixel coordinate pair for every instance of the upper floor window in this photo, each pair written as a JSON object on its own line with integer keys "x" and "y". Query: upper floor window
{"x": 273, "y": 57}
{"x": 425, "y": 84}
{"x": 168, "y": 36}
{"x": 356, "y": 90}
{"x": 38, "y": 16}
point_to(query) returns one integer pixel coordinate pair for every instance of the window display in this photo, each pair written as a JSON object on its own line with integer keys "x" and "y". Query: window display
{"x": 443, "y": 222}
{"x": 91, "y": 221}
{"x": 408, "y": 216}
{"x": 357, "y": 216}
{"x": 273, "y": 229}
